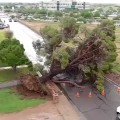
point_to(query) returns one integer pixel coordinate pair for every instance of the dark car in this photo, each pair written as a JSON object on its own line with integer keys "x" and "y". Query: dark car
{"x": 10, "y": 20}
{"x": 15, "y": 20}
{"x": 6, "y": 26}
{"x": 1, "y": 25}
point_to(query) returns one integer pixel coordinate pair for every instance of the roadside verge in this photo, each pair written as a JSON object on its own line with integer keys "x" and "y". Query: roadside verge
{"x": 22, "y": 22}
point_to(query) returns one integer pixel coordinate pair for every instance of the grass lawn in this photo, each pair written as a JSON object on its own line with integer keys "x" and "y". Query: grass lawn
{"x": 8, "y": 75}
{"x": 12, "y": 102}
{"x": 2, "y": 35}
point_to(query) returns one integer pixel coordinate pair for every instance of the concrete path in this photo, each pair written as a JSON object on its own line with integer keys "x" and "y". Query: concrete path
{"x": 9, "y": 84}
{"x": 6, "y": 68}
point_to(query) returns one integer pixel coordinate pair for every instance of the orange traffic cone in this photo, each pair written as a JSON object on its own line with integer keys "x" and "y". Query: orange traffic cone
{"x": 77, "y": 94}
{"x": 103, "y": 93}
{"x": 118, "y": 89}
{"x": 90, "y": 94}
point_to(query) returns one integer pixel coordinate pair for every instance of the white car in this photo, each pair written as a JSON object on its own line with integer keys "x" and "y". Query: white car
{"x": 6, "y": 26}
{"x": 118, "y": 112}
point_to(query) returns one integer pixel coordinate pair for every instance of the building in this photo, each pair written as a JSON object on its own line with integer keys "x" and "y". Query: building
{"x": 62, "y": 5}
{"x": 112, "y": 16}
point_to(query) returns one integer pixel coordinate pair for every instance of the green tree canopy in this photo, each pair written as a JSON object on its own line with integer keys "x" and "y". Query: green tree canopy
{"x": 86, "y": 14}
{"x": 96, "y": 14}
{"x": 92, "y": 56}
{"x": 69, "y": 27}
{"x": 12, "y": 53}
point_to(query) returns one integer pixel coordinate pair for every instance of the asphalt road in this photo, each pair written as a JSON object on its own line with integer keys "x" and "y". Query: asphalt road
{"x": 26, "y": 37}
{"x": 97, "y": 107}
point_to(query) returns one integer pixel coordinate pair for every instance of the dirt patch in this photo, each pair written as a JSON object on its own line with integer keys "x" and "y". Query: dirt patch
{"x": 29, "y": 94}
{"x": 114, "y": 77}
{"x": 47, "y": 111}
{"x": 38, "y": 25}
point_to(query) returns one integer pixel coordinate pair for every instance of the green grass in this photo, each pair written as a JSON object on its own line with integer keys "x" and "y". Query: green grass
{"x": 54, "y": 25}
{"x": 12, "y": 102}
{"x": 8, "y": 75}
{"x": 2, "y": 35}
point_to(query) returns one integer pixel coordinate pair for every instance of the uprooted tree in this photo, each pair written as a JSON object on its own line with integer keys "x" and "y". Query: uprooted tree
{"x": 68, "y": 52}
{"x": 72, "y": 54}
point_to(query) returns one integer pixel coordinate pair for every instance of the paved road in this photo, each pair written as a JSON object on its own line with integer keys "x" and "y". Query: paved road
{"x": 26, "y": 37}
{"x": 97, "y": 107}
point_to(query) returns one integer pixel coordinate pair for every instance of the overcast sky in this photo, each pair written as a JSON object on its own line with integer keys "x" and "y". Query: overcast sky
{"x": 92, "y": 1}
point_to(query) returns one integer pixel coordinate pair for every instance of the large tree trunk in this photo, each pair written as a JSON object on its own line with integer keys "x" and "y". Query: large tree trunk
{"x": 14, "y": 68}
{"x": 50, "y": 75}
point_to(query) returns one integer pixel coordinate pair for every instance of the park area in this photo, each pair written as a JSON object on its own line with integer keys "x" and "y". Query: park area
{"x": 18, "y": 104}
{"x": 34, "y": 107}
{"x": 21, "y": 108}
{"x": 11, "y": 100}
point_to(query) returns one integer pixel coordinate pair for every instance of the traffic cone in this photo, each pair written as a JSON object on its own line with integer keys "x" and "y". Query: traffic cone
{"x": 90, "y": 94}
{"x": 77, "y": 94}
{"x": 103, "y": 93}
{"x": 118, "y": 89}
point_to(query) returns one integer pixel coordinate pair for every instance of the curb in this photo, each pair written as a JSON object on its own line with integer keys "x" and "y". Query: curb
{"x": 66, "y": 109}
{"x": 112, "y": 82}
{"x": 82, "y": 117}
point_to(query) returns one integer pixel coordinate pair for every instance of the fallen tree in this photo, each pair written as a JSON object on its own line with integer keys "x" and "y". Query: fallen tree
{"x": 90, "y": 56}
{"x": 74, "y": 55}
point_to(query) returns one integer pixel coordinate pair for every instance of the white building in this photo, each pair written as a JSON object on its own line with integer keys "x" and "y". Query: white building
{"x": 61, "y": 5}
{"x": 111, "y": 17}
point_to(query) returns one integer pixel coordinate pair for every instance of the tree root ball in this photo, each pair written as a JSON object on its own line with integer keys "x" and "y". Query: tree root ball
{"x": 32, "y": 84}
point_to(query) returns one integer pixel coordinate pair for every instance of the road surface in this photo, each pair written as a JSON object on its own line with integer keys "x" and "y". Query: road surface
{"x": 96, "y": 107}
{"x": 26, "y": 37}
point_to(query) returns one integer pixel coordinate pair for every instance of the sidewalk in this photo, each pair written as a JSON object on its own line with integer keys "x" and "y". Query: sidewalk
{"x": 9, "y": 84}
{"x": 6, "y": 68}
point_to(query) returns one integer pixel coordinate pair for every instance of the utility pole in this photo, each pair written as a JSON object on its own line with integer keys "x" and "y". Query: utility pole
{"x": 84, "y": 5}
{"x": 58, "y": 5}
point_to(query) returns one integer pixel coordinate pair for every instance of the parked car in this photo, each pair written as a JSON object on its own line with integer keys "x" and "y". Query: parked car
{"x": 118, "y": 113}
{"x": 6, "y": 26}
{"x": 10, "y": 20}
{"x": 15, "y": 20}
{"x": 1, "y": 25}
